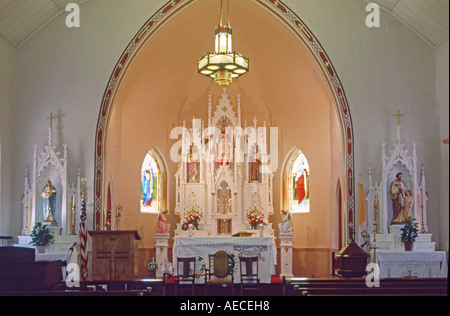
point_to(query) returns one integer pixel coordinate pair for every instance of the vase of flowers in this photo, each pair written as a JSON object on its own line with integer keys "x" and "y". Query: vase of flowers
{"x": 255, "y": 219}
{"x": 191, "y": 219}
{"x": 41, "y": 237}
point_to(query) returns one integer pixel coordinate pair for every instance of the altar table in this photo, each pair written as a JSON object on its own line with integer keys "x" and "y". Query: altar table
{"x": 51, "y": 257}
{"x": 201, "y": 247}
{"x": 412, "y": 264}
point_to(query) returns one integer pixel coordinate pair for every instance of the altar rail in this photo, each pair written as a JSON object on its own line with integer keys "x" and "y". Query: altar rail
{"x": 358, "y": 287}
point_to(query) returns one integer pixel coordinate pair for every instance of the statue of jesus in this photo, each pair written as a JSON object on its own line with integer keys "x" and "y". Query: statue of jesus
{"x": 255, "y": 167}
{"x": 224, "y": 150}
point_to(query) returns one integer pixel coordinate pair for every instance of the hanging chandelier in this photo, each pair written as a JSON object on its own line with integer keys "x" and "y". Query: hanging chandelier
{"x": 224, "y": 64}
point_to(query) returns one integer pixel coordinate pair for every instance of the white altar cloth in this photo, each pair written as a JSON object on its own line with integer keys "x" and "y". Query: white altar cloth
{"x": 202, "y": 247}
{"x": 51, "y": 257}
{"x": 416, "y": 264}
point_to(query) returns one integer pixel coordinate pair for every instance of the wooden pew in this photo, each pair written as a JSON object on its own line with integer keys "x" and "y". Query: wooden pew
{"x": 358, "y": 287}
{"x": 19, "y": 271}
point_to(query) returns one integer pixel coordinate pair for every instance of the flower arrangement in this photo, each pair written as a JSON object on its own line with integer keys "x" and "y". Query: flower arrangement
{"x": 255, "y": 218}
{"x": 191, "y": 219}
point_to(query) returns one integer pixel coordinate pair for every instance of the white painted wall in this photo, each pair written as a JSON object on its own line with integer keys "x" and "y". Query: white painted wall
{"x": 442, "y": 92}
{"x": 382, "y": 70}
{"x": 7, "y": 93}
{"x": 65, "y": 71}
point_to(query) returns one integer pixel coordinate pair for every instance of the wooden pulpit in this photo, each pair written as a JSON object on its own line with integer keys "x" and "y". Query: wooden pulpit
{"x": 114, "y": 255}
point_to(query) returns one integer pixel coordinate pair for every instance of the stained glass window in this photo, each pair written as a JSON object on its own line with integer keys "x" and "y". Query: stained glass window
{"x": 150, "y": 185}
{"x": 299, "y": 184}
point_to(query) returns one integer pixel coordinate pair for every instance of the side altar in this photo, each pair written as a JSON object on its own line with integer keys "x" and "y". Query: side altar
{"x": 401, "y": 194}
{"x": 49, "y": 199}
{"x": 224, "y": 176}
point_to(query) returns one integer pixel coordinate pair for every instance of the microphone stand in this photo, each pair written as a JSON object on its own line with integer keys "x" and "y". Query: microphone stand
{"x": 68, "y": 258}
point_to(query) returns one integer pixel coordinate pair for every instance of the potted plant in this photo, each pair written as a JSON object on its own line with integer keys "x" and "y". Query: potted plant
{"x": 41, "y": 237}
{"x": 409, "y": 233}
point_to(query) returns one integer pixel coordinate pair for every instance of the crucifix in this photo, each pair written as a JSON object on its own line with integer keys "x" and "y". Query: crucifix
{"x": 398, "y": 115}
{"x": 51, "y": 118}
{"x": 409, "y": 276}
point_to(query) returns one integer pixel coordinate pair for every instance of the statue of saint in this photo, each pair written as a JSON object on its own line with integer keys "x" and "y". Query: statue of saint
{"x": 286, "y": 226}
{"x": 48, "y": 201}
{"x": 255, "y": 167}
{"x": 163, "y": 227}
{"x": 398, "y": 190}
{"x": 406, "y": 212}
{"x": 224, "y": 150}
{"x": 193, "y": 166}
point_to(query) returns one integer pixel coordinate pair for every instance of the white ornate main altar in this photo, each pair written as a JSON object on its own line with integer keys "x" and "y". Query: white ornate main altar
{"x": 201, "y": 247}
{"x": 386, "y": 232}
{"x": 223, "y": 179}
{"x": 60, "y": 212}
{"x": 224, "y": 174}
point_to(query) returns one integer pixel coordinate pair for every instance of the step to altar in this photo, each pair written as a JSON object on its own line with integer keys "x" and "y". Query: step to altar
{"x": 61, "y": 244}
{"x": 392, "y": 241}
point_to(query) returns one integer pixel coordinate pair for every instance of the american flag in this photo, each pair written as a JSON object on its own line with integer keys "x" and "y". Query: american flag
{"x": 83, "y": 241}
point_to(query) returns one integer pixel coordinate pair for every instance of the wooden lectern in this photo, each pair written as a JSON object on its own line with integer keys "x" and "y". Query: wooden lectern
{"x": 114, "y": 255}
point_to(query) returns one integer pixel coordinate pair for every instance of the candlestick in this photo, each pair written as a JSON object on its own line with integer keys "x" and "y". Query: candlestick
{"x": 374, "y": 233}
{"x": 423, "y": 230}
{"x": 72, "y": 215}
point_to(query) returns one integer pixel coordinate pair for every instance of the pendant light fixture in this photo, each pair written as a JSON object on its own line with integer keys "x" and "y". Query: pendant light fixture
{"x": 224, "y": 64}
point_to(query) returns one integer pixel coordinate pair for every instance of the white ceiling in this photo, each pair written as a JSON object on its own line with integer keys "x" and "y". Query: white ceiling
{"x": 21, "y": 19}
{"x": 428, "y": 18}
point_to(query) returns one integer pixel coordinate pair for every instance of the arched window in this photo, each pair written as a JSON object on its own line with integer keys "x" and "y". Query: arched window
{"x": 150, "y": 185}
{"x": 298, "y": 183}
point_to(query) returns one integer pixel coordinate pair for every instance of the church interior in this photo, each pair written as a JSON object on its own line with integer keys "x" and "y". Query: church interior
{"x": 309, "y": 135}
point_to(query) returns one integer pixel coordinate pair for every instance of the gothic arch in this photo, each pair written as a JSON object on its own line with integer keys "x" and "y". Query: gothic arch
{"x": 280, "y": 11}
{"x": 160, "y": 162}
{"x": 286, "y": 187}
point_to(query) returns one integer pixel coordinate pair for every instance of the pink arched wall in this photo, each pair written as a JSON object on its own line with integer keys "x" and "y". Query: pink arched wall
{"x": 290, "y": 20}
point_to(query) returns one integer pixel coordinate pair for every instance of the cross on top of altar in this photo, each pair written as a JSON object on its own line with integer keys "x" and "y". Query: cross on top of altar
{"x": 398, "y": 115}
{"x": 51, "y": 118}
